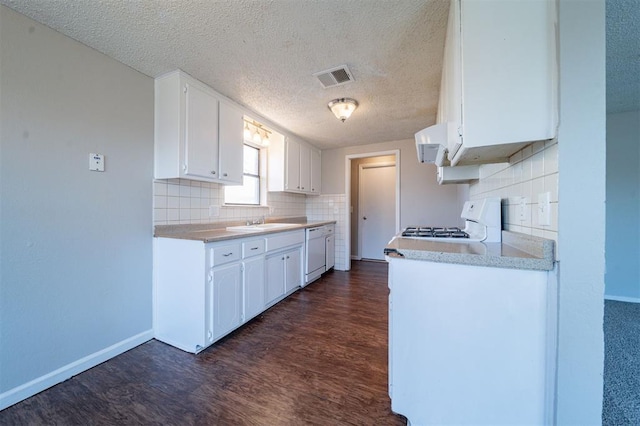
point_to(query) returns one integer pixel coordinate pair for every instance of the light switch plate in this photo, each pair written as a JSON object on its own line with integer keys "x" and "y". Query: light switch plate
{"x": 214, "y": 211}
{"x": 96, "y": 162}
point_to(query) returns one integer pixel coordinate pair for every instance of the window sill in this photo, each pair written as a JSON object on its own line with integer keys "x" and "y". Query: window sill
{"x": 247, "y": 206}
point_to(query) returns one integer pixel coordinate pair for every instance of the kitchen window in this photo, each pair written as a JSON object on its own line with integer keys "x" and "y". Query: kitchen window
{"x": 249, "y": 192}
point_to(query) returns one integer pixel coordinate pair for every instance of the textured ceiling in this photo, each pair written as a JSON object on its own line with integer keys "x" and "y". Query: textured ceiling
{"x": 262, "y": 54}
{"x": 623, "y": 55}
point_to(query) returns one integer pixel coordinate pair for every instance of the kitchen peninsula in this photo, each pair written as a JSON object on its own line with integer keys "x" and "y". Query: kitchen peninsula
{"x": 472, "y": 330}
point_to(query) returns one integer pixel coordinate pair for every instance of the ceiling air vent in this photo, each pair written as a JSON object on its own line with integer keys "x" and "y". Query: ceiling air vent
{"x": 335, "y": 76}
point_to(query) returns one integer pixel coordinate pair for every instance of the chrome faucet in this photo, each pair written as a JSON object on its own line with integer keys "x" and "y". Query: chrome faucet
{"x": 260, "y": 220}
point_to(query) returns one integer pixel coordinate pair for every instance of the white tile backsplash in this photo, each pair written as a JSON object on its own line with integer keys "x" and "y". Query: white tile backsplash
{"x": 529, "y": 172}
{"x": 182, "y": 201}
{"x": 331, "y": 207}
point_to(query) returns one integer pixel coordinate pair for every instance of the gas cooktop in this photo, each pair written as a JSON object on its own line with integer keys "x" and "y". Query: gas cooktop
{"x": 434, "y": 232}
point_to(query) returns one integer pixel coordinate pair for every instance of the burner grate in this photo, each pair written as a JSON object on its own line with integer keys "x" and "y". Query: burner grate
{"x": 434, "y": 232}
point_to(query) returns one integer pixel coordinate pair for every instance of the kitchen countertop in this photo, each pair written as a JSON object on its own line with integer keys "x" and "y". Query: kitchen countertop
{"x": 516, "y": 251}
{"x": 212, "y": 232}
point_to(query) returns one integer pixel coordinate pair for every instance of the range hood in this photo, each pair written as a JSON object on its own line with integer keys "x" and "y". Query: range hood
{"x": 431, "y": 144}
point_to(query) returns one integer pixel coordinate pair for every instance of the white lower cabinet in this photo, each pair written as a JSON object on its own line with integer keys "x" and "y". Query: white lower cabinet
{"x": 283, "y": 265}
{"x": 225, "y": 299}
{"x": 204, "y": 291}
{"x": 293, "y": 269}
{"x": 253, "y": 278}
{"x": 275, "y": 278}
{"x": 284, "y": 273}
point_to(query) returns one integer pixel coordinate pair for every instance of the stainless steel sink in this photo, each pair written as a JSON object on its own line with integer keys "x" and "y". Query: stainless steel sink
{"x": 261, "y": 227}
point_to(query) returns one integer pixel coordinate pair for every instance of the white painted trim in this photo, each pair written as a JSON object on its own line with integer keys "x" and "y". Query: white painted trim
{"x": 347, "y": 183}
{"x": 361, "y": 167}
{"x": 41, "y": 383}
{"x": 622, "y": 298}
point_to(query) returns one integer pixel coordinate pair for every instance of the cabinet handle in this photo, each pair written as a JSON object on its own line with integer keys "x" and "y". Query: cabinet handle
{"x": 303, "y": 187}
{"x": 297, "y": 187}
{"x": 282, "y": 258}
{"x": 224, "y": 174}
{"x": 254, "y": 248}
{"x": 213, "y": 172}
{"x": 228, "y": 254}
{"x": 288, "y": 257}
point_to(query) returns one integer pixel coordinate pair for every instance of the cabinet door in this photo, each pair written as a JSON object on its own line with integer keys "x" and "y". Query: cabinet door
{"x": 201, "y": 133}
{"x": 274, "y": 288}
{"x": 316, "y": 166}
{"x": 292, "y": 165}
{"x": 293, "y": 273}
{"x": 330, "y": 253}
{"x": 253, "y": 279}
{"x": 226, "y": 299}
{"x": 305, "y": 168}
{"x": 231, "y": 144}
{"x": 452, "y": 81}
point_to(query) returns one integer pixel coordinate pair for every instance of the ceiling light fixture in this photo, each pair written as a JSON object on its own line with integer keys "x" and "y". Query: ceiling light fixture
{"x": 343, "y": 108}
{"x": 247, "y": 131}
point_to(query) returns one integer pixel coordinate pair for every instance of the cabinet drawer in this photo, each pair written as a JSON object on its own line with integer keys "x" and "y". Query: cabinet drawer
{"x": 223, "y": 254}
{"x": 253, "y": 248}
{"x": 285, "y": 240}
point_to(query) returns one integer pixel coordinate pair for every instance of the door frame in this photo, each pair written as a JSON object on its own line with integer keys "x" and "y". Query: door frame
{"x": 360, "y": 168}
{"x": 347, "y": 183}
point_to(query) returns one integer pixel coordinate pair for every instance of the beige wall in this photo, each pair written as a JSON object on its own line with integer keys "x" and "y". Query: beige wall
{"x": 422, "y": 200}
{"x": 76, "y": 245}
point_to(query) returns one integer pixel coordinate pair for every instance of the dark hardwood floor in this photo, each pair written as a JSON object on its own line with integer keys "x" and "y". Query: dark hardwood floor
{"x": 318, "y": 357}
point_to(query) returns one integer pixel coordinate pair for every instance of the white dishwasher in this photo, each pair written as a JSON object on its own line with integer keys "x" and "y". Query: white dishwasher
{"x": 315, "y": 254}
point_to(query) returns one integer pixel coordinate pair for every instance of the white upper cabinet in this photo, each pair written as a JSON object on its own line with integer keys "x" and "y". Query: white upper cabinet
{"x": 197, "y": 135}
{"x": 231, "y": 143}
{"x": 305, "y": 168}
{"x": 316, "y": 173}
{"x": 498, "y": 89}
{"x": 294, "y": 166}
{"x": 201, "y": 133}
{"x": 292, "y": 169}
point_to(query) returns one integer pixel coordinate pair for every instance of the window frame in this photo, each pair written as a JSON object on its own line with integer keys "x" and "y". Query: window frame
{"x": 261, "y": 176}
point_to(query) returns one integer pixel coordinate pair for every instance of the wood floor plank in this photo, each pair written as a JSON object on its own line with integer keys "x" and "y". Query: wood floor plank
{"x": 318, "y": 358}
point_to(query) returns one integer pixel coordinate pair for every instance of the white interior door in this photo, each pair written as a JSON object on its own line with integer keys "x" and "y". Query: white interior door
{"x": 377, "y": 209}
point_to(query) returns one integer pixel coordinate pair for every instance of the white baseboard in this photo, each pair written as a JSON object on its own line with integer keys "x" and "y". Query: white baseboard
{"x": 41, "y": 383}
{"x": 622, "y": 298}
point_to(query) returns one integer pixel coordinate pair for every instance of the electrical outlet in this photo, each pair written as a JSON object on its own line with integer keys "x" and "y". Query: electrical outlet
{"x": 523, "y": 210}
{"x": 214, "y": 211}
{"x": 544, "y": 209}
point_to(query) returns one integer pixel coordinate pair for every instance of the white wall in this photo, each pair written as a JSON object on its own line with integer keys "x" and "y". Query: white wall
{"x": 76, "y": 246}
{"x": 422, "y": 200}
{"x": 581, "y": 159}
{"x": 623, "y": 206}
